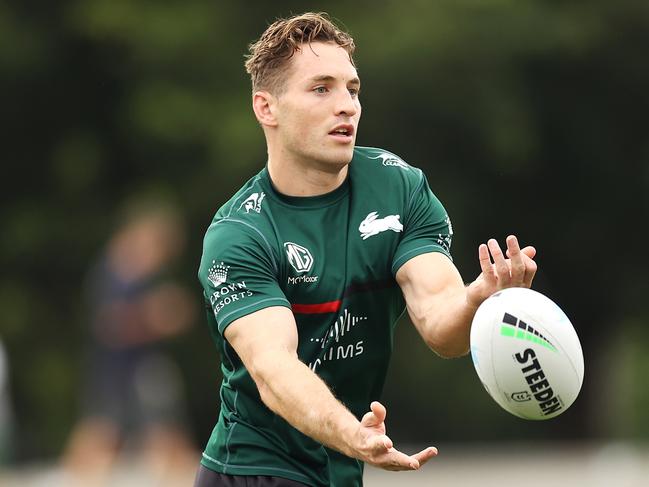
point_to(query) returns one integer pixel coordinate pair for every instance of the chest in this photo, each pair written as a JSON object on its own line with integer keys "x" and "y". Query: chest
{"x": 326, "y": 253}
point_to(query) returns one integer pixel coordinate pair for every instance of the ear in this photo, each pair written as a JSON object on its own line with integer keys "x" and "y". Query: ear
{"x": 264, "y": 105}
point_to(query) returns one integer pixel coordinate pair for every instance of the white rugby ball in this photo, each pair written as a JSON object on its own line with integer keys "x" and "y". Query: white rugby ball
{"x": 527, "y": 353}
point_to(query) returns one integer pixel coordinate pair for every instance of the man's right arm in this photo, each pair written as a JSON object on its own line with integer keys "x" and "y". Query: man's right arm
{"x": 266, "y": 341}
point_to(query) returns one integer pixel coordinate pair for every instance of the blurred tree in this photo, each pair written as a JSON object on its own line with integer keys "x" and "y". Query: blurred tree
{"x": 528, "y": 117}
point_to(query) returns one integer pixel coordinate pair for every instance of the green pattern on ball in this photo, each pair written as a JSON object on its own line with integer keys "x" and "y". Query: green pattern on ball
{"x": 510, "y": 331}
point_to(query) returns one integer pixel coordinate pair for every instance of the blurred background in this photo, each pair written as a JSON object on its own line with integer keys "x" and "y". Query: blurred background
{"x": 125, "y": 122}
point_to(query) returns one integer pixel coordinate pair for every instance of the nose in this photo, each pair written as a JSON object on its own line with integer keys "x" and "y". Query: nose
{"x": 346, "y": 104}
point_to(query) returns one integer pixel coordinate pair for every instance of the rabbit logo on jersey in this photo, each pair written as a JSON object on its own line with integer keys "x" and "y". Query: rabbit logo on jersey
{"x": 373, "y": 225}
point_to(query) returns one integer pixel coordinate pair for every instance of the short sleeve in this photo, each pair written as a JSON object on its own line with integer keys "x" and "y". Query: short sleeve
{"x": 238, "y": 272}
{"x": 427, "y": 227}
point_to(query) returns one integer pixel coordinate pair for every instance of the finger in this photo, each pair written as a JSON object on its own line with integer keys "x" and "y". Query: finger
{"x": 528, "y": 254}
{"x": 485, "y": 264}
{"x": 380, "y": 444}
{"x": 425, "y": 455}
{"x": 397, "y": 461}
{"x": 516, "y": 264}
{"x": 379, "y": 410}
{"x": 369, "y": 420}
{"x": 529, "y": 251}
{"x": 530, "y": 270}
{"x": 502, "y": 269}
{"x": 376, "y": 417}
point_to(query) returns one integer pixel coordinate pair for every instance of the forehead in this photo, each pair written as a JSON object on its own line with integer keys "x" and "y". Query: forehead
{"x": 321, "y": 59}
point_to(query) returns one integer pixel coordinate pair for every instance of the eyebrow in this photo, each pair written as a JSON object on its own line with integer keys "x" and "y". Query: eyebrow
{"x": 329, "y": 78}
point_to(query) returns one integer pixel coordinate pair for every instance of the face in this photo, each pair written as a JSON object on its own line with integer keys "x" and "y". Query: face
{"x": 318, "y": 111}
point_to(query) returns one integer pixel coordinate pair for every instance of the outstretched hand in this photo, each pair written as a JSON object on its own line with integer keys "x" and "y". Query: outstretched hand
{"x": 517, "y": 270}
{"x": 376, "y": 448}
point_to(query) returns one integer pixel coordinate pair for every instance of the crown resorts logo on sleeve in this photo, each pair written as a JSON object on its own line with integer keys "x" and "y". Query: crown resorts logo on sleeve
{"x": 253, "y": 203}
{"x": 373, "y": 225}
{"x": 217, "y": 274}
{"x": 225, "y": 293}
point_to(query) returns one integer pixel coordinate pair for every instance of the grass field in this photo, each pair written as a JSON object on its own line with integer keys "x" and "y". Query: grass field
{"x": 489, "y": 465}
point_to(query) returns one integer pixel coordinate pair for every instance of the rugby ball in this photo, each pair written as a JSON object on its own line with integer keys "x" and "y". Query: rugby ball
{"x": 527, "y": 353}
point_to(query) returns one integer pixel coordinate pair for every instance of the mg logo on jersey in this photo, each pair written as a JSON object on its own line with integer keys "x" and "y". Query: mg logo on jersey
{"x": 373, "y": 225}
{"x": 299, "y": 257}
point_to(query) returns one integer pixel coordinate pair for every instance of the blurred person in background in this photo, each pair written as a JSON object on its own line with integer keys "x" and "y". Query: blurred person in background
{"x": 133, "y": 392}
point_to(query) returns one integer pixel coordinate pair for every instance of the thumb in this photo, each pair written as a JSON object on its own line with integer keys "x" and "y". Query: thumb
{"x": 376, "y": 416}
{"x": 379, "y": 410}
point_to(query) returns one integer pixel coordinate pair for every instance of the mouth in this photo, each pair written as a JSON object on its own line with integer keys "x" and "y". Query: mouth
{"x": 343, "y": 132}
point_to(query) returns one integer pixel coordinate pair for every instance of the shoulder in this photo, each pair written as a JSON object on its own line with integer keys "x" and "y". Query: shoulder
{"x": 232, "y": 242}
{"x": 240, "y": 227}
{"x": 242, "y": 215}
{"x": 380, "y": 166}
{"x": 247, "y": 200}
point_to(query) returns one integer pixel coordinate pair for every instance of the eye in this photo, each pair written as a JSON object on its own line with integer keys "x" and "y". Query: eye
{"x": 320, "y": 89}
{"x": 354, "y": 92}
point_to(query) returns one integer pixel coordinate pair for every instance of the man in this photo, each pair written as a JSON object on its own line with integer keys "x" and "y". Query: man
{"x": 132, "y": 395}
{"x": 307, "y": 268}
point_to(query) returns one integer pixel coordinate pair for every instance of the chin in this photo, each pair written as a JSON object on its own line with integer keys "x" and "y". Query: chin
{"x": 344, "y": 155}
{"x": 341, "y": 161}
{"x": 330, "y": 159}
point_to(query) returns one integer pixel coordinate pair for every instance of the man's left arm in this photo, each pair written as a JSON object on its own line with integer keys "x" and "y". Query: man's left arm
{"x": 439, "y": 304}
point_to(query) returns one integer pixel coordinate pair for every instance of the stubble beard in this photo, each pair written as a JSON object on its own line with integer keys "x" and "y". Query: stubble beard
{"x": 322, "y": 157}
{"x": 332, "y": 161}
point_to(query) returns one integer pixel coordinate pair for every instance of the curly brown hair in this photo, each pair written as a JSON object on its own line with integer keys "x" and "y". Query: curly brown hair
{"x": 268, "y": 56}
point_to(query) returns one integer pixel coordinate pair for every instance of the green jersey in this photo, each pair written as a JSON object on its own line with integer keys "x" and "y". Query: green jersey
{"x": 332, "y": 260}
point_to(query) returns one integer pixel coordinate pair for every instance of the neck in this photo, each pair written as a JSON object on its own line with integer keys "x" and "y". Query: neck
{"x": 304, "y": 178}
